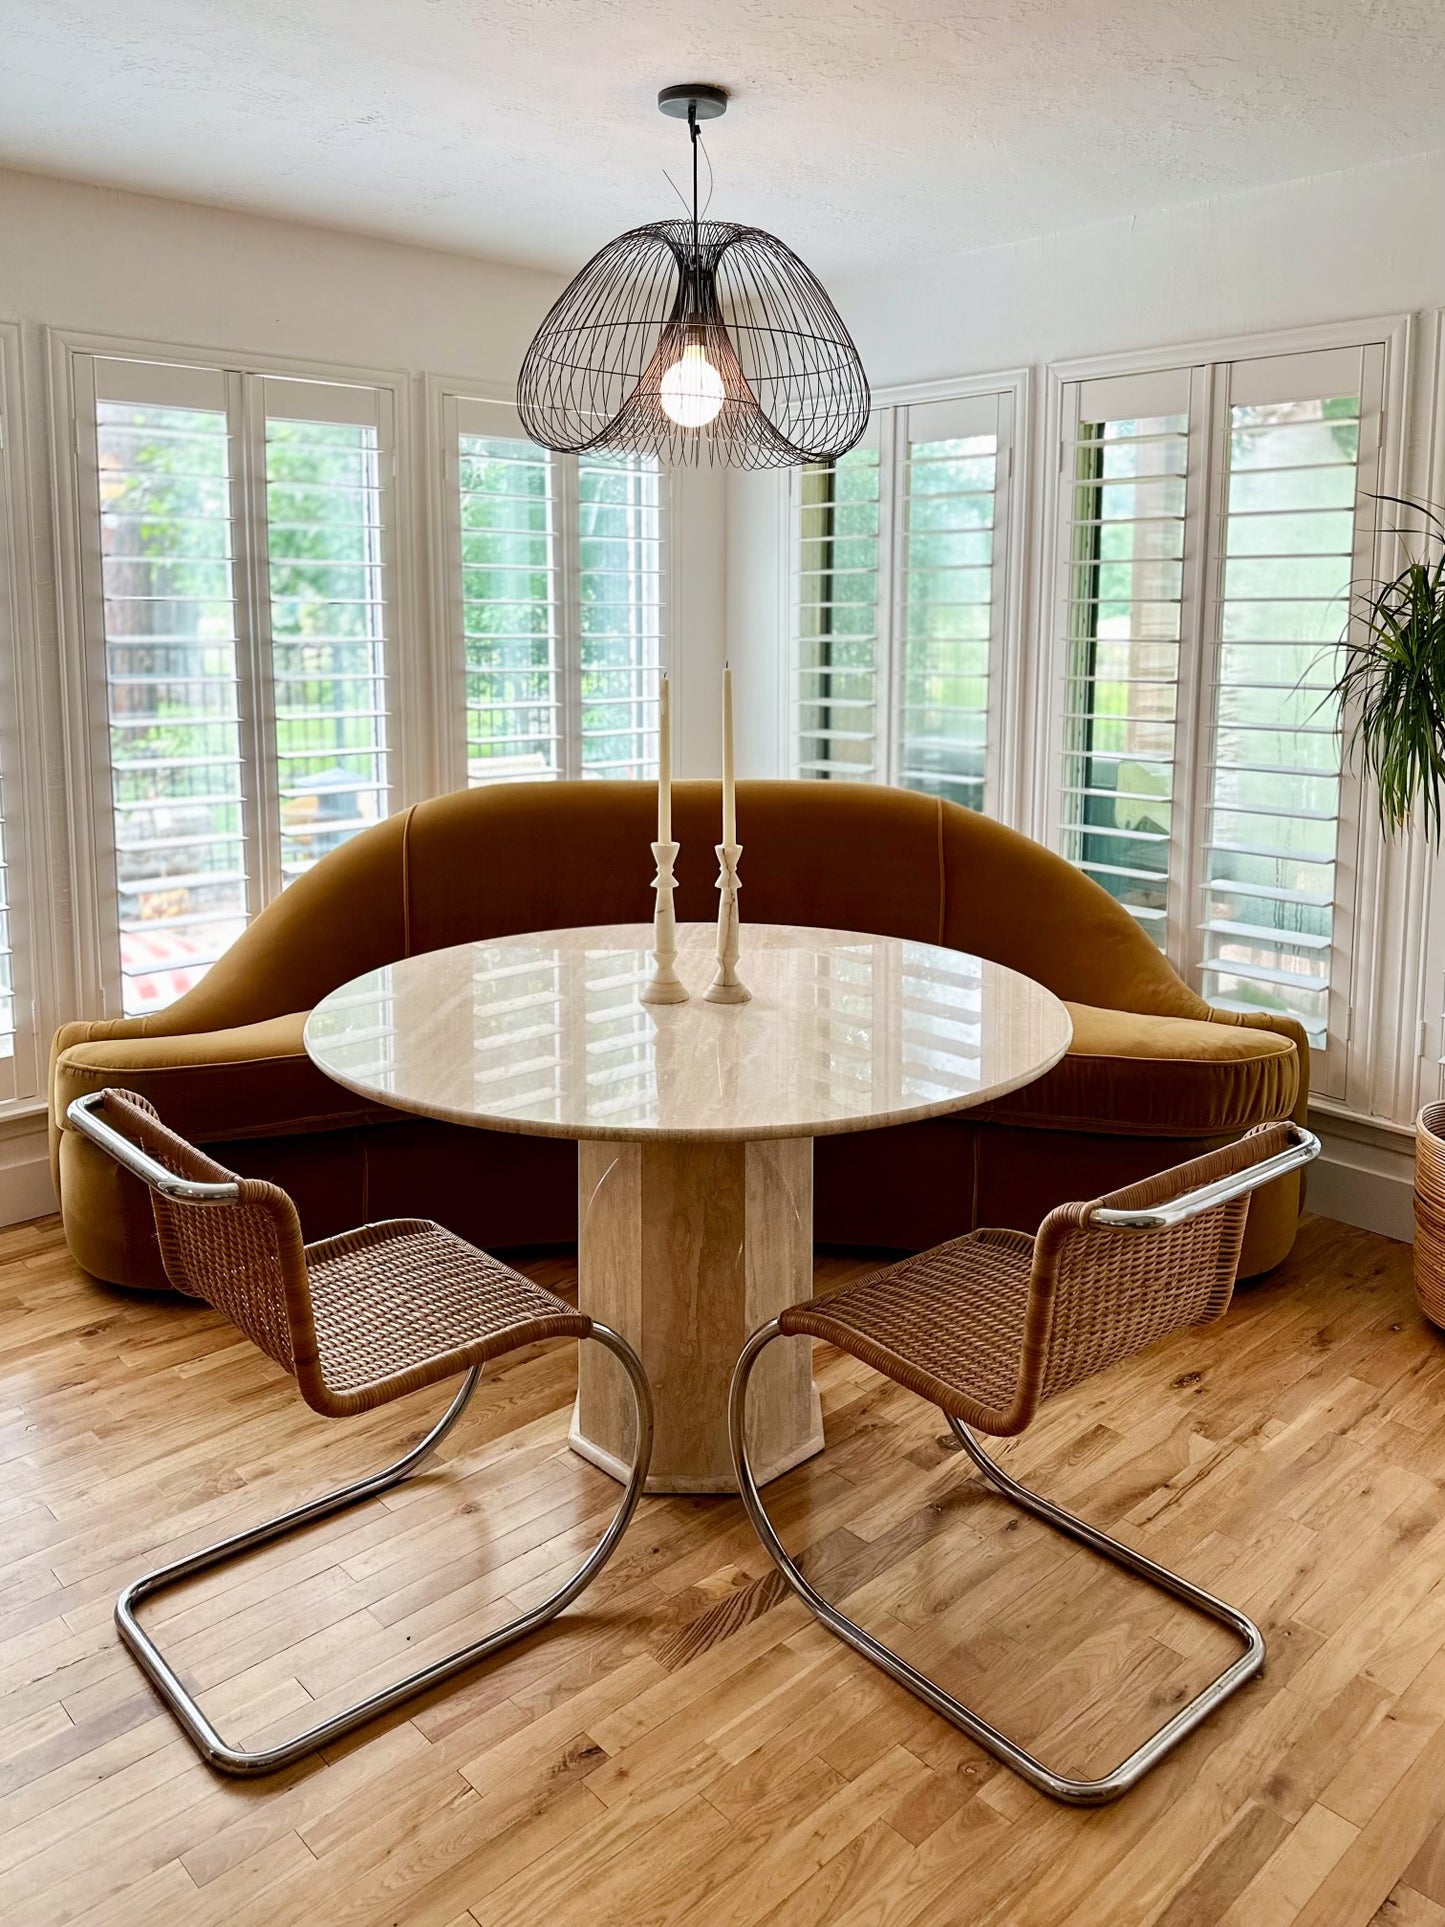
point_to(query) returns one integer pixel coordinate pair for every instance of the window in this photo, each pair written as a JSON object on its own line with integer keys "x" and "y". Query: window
{"x": 901, "y": 601}
{"x": 237, "y": 612}
{"x": 556, "y": 573}
{"x": 1215, "y": 518}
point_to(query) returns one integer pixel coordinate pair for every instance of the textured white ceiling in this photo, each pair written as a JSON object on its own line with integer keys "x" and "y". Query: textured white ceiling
{"x": 861, "y": 131}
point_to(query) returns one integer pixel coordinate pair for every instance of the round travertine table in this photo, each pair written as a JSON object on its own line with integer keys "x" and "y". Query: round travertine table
{"x": 694, "y": 1124}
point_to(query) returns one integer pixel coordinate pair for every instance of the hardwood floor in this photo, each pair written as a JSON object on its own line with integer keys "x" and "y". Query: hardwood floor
{"x": 686, "y": 1744}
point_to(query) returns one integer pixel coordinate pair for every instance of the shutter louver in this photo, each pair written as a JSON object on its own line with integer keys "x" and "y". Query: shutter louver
{"x": 619, "y": 603}
{"x": 560, "y": 567}
{"x": 328, "y": 610}
{"x": 948, "y": 598}
{"x": 1126, "y": 475}
{"x": 509, "y": 610}
{"x": 1292, "y": 480}
{"x": 170, "y": 628}
{"x": 836, "y": 616}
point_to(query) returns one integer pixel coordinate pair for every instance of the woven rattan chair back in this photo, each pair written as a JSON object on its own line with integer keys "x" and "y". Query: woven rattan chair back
{"x": 1098, "y": 1294}
{"x": 244, "y": 1257}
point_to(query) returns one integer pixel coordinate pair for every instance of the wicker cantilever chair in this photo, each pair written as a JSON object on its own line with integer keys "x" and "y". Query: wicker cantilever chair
{"x": 990, "y": 1325}
{"x": 358, "y": 1320}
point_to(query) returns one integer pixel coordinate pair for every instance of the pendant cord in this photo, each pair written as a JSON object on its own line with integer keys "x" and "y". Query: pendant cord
{"x": 692, "y": 130}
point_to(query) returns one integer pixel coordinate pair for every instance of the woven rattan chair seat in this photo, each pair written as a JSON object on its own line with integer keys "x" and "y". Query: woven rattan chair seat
{"x": 395, "y": 1298}
{"x": 948, "y": 1324}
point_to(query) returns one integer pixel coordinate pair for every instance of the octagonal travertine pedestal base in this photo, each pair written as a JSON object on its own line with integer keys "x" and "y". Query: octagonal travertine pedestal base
{"x": 686, "y": 1248}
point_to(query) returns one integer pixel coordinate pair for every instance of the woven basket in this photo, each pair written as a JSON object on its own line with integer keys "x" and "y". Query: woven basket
{"x": 1430, "y": 1212}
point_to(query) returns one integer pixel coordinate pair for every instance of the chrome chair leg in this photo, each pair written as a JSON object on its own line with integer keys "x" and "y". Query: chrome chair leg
{"x": 238, "y": 1760}
{"x": 1077, "y": 1792}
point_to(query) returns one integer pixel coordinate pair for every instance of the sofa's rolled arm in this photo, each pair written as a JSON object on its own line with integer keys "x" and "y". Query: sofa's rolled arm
{"x": 83, "y": 1115}
{"x": 1192, "y": 1204}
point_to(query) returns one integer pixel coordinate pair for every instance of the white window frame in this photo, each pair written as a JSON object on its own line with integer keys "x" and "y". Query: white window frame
{"x": 443, "y": 399}
{"x": 84, "y": 692}
{"x": 1410, "y": 1064}
{"x": 37, "y": 962}
{"x": 1336, "y": 1069}
{"x": 1004, "y": 767}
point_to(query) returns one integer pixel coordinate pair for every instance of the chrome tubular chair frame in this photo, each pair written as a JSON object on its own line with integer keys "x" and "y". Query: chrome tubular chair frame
{"x": 85, "y": 1114}
{"x": 1077, "y": 1792}
{"x": 1301, "y": 1148}
{"x": 237, "y": 1760}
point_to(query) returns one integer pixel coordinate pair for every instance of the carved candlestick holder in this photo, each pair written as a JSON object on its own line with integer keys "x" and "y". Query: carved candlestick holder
{"x": 664, "y": 986}
{"x": 727, "y": 987}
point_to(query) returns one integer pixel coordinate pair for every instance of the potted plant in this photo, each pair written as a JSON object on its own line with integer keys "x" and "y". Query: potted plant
{"x": 1391, "y": 691}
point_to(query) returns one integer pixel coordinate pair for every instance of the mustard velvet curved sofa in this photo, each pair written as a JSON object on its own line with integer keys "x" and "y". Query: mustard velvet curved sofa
{"x": 1154, "y": 1075}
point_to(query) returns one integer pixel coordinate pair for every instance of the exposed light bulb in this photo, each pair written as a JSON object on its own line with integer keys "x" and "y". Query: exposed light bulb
{"x": 692, "y": 389}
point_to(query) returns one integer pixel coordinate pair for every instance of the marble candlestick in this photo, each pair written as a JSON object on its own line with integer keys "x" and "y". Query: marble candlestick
{"x": 664, "y": 986}
{"x": 727, "y": 987}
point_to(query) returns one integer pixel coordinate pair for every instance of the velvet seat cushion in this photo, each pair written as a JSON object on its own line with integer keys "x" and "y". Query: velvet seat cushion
{"x": 1129, "y": 1074}
{"x": 254, "y": 1080}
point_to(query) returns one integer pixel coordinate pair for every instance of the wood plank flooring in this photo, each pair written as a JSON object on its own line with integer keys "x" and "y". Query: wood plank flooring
{"x": 686, "y": 1745}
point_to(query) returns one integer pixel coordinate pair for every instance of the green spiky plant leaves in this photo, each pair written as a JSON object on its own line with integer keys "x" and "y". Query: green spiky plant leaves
{"x": 1392, "y": 686}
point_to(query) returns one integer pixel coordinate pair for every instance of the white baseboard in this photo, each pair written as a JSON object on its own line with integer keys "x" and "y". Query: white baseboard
{"x": 25, "y": 1187}
{"x": 1364, "y": 1176}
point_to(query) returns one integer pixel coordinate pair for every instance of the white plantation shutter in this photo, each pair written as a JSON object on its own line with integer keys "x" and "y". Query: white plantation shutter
{"x": 555, "y": 570}
{"x": 504, "y": 570}
{"x": 619, "y": 616}
{"x": 1299, "y": 443}
{"x": 170, "y": 624}
{"x": 328, "y": 449}
{"x": 1212, "y": 522}
{"x": 1126, "y": 490}
{"x": 900, "y": 602}
{"x": 950, "y": 618}
{"x": 839, "y": 539}
{"x": 235, "y": 601}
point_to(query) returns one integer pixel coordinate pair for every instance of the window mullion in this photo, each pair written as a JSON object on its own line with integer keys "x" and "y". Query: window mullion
{"x": 453, "y": 687}
{"x": 1198, "y": 669}
{"x": 887, "y": 684}
{"x": 261, "y": 802}
{"x": 21, "y": 1019}
{"x": 566, "y": 637}
{"x": 102, "y": 881}
{"x": 1369, "y": 562}
{"x": 1002, "y": 728}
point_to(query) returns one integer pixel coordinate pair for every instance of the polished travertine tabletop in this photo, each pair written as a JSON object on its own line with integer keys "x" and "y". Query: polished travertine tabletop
{"x": 544, "y": 1034}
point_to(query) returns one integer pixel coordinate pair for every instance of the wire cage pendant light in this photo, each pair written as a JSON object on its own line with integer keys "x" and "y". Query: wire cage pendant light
{"x": 695, "y": 340}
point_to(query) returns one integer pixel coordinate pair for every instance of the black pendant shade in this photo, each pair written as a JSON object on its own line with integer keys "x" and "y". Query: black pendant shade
{"x": 695, "y": 341}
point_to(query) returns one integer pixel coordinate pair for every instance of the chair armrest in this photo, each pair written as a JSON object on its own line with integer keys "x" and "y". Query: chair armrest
{"x": 83, "y": 1114}
{"x": 1302, "y": 1150}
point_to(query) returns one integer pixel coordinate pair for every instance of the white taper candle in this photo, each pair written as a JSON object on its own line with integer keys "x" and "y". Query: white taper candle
{"x": 729, "y": 797}
{"x": 664, "y": 764}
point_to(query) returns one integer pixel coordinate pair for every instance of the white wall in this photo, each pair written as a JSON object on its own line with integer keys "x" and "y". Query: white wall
{"x": 95, "y": 259}
{"x": 1323, "y": 249}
